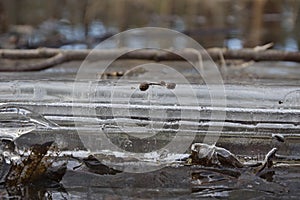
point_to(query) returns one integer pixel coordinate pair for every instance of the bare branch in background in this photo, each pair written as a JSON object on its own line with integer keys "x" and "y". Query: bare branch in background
{"x": 58, "y": 56}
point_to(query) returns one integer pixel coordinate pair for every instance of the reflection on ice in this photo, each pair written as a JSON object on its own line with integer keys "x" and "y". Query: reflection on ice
{"x": 16, "y": 121}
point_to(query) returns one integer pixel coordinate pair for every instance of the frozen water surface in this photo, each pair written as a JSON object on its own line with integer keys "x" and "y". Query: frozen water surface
{"x": 262, "y": 100}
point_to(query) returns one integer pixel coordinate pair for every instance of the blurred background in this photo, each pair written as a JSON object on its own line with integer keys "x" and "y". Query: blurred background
{"x": 84, "y": 23}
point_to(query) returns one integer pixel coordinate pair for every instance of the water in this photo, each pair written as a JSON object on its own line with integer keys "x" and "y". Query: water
{"x": 253, "y": 115}
{"x": 131, "y": 133}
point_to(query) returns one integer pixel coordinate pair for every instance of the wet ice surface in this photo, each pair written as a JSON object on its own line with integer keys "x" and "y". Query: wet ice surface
{"x": 39, "y": 107}
{"x": 175, "y": 181}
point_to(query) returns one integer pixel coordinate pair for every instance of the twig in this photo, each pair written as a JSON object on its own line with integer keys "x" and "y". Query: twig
{"x": 49, "y": 62}
{"x": 57, "y": 56}
{"x": 267, "y": 163}
{"x": 263, "y": 47}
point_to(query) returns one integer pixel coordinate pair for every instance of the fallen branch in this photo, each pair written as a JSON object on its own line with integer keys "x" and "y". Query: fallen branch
{"x": 58, "y": 56}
